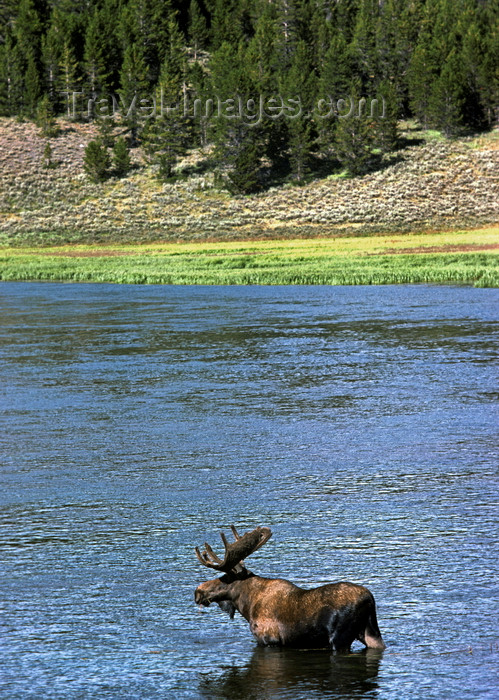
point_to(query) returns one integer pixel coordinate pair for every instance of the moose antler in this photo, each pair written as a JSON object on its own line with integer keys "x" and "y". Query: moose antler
{"x": 236, "y": 551}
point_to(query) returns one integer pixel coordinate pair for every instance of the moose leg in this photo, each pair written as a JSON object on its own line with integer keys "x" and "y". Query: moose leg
{"x": 266, "y": 634}
{"x": 373, "y": 640}
{"x": 340, "y": 642}
{"x": 371, "y": 636}
{"x": 340, "y": 633}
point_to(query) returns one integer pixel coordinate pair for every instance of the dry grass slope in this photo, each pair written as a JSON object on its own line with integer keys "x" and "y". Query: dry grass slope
{"x": 429, "y": 184}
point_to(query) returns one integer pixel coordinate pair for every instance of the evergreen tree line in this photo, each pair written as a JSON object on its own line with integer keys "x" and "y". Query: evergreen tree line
{"x": 227, "y": 60}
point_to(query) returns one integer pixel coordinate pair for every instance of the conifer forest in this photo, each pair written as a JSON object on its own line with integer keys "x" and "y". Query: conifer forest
{"x": 270, "y": 87}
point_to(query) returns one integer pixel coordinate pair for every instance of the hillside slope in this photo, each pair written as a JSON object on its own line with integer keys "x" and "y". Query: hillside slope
{"x": 429, "y": 184}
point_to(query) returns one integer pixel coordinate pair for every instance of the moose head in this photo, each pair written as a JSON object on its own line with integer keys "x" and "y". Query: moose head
{"x": 232, "y": 566}
{"x": 281, "y": 613}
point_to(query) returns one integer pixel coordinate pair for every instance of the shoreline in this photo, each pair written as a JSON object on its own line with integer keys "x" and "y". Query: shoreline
{"x": 448, "y": 257}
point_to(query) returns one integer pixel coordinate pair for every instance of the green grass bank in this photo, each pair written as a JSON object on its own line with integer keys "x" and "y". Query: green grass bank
{"x": 461, "y": 257}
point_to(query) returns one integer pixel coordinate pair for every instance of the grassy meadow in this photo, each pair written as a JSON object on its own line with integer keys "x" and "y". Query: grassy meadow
{"x": 461, "y": 257}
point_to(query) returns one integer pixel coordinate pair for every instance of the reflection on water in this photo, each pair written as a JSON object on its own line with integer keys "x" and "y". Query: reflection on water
{"x": 360, "y": 424}
{"x": 296, "y": 675}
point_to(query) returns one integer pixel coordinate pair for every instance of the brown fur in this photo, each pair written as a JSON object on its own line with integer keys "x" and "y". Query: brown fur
{"x": 281, "y": 613}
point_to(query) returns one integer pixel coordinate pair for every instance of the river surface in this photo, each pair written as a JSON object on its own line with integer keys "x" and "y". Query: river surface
{"x": 359, "y": 423}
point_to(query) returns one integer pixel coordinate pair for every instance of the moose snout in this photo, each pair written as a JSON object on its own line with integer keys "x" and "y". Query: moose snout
{"x": 200, "y": 598}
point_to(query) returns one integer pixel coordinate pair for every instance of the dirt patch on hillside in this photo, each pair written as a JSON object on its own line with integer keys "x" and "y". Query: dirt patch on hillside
{"x": 97, "y": 253}
{"x": 439, "y": 249}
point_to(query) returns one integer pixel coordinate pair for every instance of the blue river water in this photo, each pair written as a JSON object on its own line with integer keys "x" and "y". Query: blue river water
{"x": 359, "y": 423}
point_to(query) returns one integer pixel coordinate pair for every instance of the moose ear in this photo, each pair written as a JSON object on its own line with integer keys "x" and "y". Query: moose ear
{"x": 227, "y": 607}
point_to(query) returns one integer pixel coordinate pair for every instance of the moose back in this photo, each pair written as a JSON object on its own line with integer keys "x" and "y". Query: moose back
{"x": 281, "y": 613}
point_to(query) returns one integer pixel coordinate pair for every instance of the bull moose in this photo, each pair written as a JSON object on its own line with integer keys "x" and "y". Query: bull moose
{"x": 280, "y": 613}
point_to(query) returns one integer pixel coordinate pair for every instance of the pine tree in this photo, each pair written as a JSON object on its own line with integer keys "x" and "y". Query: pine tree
{"x": 239, "y": 139}
{"x": 174, "y": 68}
{"x": 166, "y": 137}
{"x": 488, "y": 70}
{"x": 96, "y": 162}
{"x": 61, "y": 51}
{"x": 135, "y": 87}
{"x": 29, "y": 28}
{"x": 244, "y": 178}
{"x": 288, "y": 27}
{"x": 471, "y": 57}
{"x": 228, "y": 81}
{"x": 363, "y": 45}
{"x": 11, "y": 77}
{"x": 112, "y": 50}
{"x": 299, "y": 84}
{"x": 196, "y": 89}
{"x": 396, "y": 36}
{"x": 32, "y": 85}
{"x": 51, "y": 56}
{"x": 263, "y": 60}
{"x": 343, "y": 17}
{"x": 198, "y": 30}
{"x": 300, "y": 139}
{"x": 423, "y": 71}
{"x": 226, "y": 23}
{"x": 164, "y": 142}
{"x": 144, "y": 24}
{"x": 107, "y": 126}
{"x": 68, "y": 80}
{"x": 386, "y": 120}
{"x": 442, "y": 17}
{"x": 8, "y": 11}
{"x": 262, "y": 54}
{"x": 96, "y": 57}
{"x": 337, "y": 68}
{"x": 45, "y": 117}
{"x": 320, "y": 32}
{"x": 121, "y": 157}
{"x": 446, "y": 98}
{"x": 334, "y": 83}
{"x": 354, "y": 138}
{"x": 47, "y": 161}
{"x": 198, "y": 96}
{"x": 446, "y": 78}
